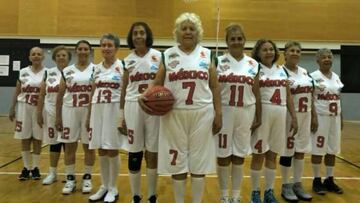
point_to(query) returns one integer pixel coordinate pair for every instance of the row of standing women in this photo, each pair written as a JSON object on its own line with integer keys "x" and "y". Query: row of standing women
{"x": 250, "y": 104}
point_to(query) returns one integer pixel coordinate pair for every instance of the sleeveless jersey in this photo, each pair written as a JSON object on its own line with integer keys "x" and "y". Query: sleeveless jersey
{"x": 30, "y": 85}
{"x": 236, "y": 80}
{"x": 187, "y": 77}
{"x": 142, "y": 71}
{"x": 327, "y": 93}
{"x": 52, "y": 81}
{"x": 273, "y": 84}
{"x": 78, "y": 86}
{"x": 301, "y": 88}
{"x": 108, "y": 82}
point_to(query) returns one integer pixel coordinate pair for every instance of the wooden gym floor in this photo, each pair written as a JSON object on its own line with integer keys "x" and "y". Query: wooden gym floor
{"x": 347, "y": 172}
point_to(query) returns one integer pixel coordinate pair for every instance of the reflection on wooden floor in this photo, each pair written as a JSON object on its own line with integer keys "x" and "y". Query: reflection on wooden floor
{"x": 12, "y": 190}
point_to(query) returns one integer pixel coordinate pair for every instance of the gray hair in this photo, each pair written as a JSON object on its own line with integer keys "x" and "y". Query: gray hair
{"x": 193, "y": 18}
{"x": 322, "y": 52}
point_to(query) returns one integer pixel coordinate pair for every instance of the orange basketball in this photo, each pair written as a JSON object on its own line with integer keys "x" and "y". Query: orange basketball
{"x": 160, "y": 100}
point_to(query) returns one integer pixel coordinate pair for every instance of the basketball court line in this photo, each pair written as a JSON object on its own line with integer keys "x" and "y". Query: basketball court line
{"x": 208, "y": 176}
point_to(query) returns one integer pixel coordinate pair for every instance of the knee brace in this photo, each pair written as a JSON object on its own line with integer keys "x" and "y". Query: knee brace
{"x": 56, "y": 147}
{"x": 285, "y": 161}
{"x": 135, "y": 159}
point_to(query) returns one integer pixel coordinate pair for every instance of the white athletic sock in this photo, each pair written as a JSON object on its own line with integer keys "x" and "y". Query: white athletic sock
{"x": 152, "y": 176}
{"x": 236, "y": 179}
{"x": 197, "y": 189}
{"x": 316, "y": 170}
{"x": 70, "y": 169}
{"x": 298, "y": 170}
{"x": 179, "y": 190}
{"x": 87, "y": 169}
{"x": 52, "y": 170}
{"x": 135, "y": 181}
{"x": 114, "y": 165}
{"x": 35, "y": 160}
{"x": 255, "y": 179}
{"x": 26, "y": 159}
{"x": 285, "y": 174}
{"x": 329, "y": 171}
{"x": 223, "y": 177}
{"x": 269, "y": 178}
{"x": 104, "y": 170}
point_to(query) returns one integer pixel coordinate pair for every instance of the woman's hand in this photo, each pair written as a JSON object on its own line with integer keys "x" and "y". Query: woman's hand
{"x": 59, "y": 124}
{"x": 294, "y": 126}
{"x": 12, "y": 114}
{"x": 217, "y": 124}
{"x": 40, "y": 119}
{"x": 144, "y": 107}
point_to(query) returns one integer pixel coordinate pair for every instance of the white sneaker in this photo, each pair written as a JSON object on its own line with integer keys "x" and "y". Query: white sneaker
{"x": 225, "y": 200}
{"x": 70, "y": 185}
{"x": 50, "y": 178}
{"x": 99, "y": 195}
{"x": 86, "y": 184}
{"x": 111, "y": 195}
{"x": 235, "y": 200}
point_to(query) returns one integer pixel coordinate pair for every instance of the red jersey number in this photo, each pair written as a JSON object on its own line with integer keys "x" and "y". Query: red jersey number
{"x": 276, "y": 98}
{"x": 80, "y": 100}
{"x": 104, "y": 96}
{"x": 303, "y": 107}
{"x": 240, "y": 90}
{"x": 191, "y": 86}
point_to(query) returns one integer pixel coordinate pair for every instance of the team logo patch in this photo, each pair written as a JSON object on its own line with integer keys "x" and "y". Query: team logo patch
{"x": 24, "y": 75}
{"x": 202, "y": 54}
{"x": 51, "y": 80}
{"x": 319, "y": 80}
{"x": 203, "y": 64}
{"x": 131, "y": 62}
{"x": 117, "y": 69}
{"x": 130, "y": 69}
{"x": 252, "y": 72}
{"x": 224, "y": 67}
{"x": 261, "y": 74}
{"x": 52, "y": 74}
{"x": 70, "y": 72}
{"x": 154, "y": 59}
{"x": 251, "y": 63}
{"x": 173, "y": 64}
{"x": 153, "y": 67}
{"x": 225, "y": 60}
{"x": 173, "y": 55}
{"x": 116, "y": 77}
{"x": 69, "y": 79}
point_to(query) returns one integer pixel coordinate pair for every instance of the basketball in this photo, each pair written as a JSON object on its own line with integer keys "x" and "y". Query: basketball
{"x": 160, "y": 100}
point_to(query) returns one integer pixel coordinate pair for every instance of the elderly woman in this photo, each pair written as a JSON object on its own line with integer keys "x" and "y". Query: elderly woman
{"x": 326, "y": 141}
{"x": 142, "y": 128}
{"x": 186, "y": 142}
{"x": 268, "y": 140}
{"x": 104, "y": 117}
{"x": 301, "y": 88}
{"x": 23, "y": 109}
{"x": 241, "y": 107}
{"x": 46, "y": 108}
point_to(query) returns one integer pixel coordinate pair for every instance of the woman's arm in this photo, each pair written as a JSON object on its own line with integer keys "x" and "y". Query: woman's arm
{"x": 59, "y": 103}
{"x": 40, "y": 104}
{"x": 215, "y": 89}
{"x": 14, "y": 101}
{"x": 291, "y": 109}
{"x": 256, "y": 91}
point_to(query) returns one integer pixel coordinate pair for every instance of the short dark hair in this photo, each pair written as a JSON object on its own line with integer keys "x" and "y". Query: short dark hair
{"x": 233, "y": 27}
{"x": 149, "y": 36}
{"x": 60, "y": 48}
{"x": 256, "y": 49}
{"x": 111, "y": 37}
{"x": 82, "y": 41}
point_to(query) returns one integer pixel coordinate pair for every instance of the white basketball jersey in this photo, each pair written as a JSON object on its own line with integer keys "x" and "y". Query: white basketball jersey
{"x": 236, "y": 80}
{"x": 30, "y": 85}
{"x": 273, "y": 84}
{"x": 187, "y": 77}
{"x": 327, "y": 93}
{"x": 142, "y": 71}
{"x": 108, "y": 83}
{"x": 52, "y": 81}
{"x": 78, "y": 86}
{"x": 301, "y": 87}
